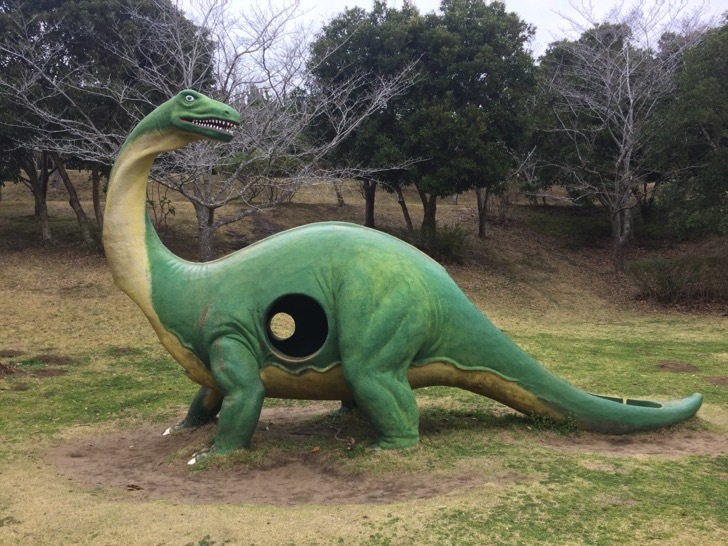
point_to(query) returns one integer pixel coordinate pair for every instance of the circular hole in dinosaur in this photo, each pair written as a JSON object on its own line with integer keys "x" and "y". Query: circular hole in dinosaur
{"x": 282, "y": 326}
{"x": 297, "y": 325}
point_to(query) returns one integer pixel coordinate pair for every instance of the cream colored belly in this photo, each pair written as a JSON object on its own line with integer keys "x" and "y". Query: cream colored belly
{"x": 330, "y": 384}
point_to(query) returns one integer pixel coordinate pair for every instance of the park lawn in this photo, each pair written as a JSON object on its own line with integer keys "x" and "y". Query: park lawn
{"x": 81, "y": 365}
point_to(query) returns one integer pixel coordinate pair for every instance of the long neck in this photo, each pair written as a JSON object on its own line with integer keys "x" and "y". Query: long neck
{"x": 127, "y": 245}
{"x": 125, "y": 225}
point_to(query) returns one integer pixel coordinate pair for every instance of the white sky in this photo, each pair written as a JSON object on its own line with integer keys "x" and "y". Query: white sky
{"x": 543, "y": 14}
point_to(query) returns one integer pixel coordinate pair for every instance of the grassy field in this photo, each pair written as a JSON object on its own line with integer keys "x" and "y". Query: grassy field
{"x": 86, "y": 390}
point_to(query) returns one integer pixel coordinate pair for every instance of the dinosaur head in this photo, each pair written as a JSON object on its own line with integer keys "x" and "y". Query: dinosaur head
{"x": 194, "y": 117}
{"x": 197, "y": 114}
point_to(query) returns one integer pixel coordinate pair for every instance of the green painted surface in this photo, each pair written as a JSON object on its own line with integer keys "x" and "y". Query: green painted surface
{"x": 374, "y": 318}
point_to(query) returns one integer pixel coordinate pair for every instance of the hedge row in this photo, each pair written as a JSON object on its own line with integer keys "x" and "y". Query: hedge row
{"x": 682, "y": 280}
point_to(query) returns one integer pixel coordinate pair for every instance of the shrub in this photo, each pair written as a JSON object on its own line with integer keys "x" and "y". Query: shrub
{"x": 448, "y": 245}
{"x": 682, "y": 280}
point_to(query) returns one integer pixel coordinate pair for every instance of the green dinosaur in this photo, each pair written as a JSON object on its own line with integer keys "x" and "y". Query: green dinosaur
{"x": 374, "y": 318}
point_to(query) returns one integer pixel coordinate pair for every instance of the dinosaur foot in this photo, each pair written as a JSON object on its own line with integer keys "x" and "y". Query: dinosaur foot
{"x": 383, "y": 447}
{"x": 184, "y": 424}
{"x": 175, "y": 428}
{"x": 200, "y": 456}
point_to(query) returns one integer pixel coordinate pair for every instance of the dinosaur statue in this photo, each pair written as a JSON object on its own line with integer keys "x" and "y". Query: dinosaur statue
{"x": 373, "y": 317}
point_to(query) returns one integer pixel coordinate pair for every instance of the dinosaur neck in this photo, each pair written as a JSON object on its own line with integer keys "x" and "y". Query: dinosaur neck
{"x": 129, "y": 240}
{"x": 125, "y": 220}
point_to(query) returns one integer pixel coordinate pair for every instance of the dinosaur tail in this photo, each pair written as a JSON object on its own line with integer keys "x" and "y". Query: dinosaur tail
{"x": 544, "y": 394}
{"x": 512, "y": 377}
{"x": 541, "y": 393}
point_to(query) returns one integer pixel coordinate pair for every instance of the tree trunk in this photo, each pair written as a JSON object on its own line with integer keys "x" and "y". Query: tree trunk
{"x": 96, "y": 195}
{"x": 405, "y": 210}
{"x": 621, "y": 234}
{"x": 73, "y": 200}
{"x": 38, "y": 183}
{"x": 339, "y": 196}
{"x": 429, "y": 218}
{"x": 369, "y": 189}
{"x": 206, "y": 231}
{"x": 482, "y": 196}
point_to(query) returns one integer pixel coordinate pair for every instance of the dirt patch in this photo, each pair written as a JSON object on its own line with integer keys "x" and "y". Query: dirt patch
{"x": 719, "y": 380}
{"x": 48, "y": 372}
{"x": 7, "y": 370}
{"x": 54, "y": 360}
{"x": 9, "y": 353}
{"x": 43, "y": 372}
{"x": 672, "y": 366}
{"x": 667, "y": 443}
{"x": 146, "y": 465}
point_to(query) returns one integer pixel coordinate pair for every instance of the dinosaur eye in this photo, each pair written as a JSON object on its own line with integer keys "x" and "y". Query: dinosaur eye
{"x": 189, "y": 98}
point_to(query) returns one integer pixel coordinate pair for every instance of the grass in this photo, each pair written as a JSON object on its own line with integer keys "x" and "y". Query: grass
{"x": 81, "y": 396}
{"x": 511, "y": 479}
{"x": 554, "y": 510}
{"x": 629, "y": 363}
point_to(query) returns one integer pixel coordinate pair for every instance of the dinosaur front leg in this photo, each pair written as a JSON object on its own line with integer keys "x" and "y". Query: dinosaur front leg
{"x": 237, "y": 374}
{"x": 205, "y": 406}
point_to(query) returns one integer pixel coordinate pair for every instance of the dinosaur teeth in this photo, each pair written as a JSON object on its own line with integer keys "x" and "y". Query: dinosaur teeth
{"x": 215, "y": 124}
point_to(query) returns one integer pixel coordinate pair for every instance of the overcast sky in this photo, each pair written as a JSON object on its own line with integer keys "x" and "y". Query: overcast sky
{"x": 543, "y": 14}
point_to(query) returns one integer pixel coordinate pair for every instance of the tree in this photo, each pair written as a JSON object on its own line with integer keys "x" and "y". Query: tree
{"x": 369, "y": 46}
{"x": 262, "y": 70}
{"x": 604, "y": 88}
{"x": 485, "y": 77}
{"x": 692, "y": 145}
{"x": 82, "y": 106}
{"x": 74, "y": 95}
{"x": 463, "y": 117}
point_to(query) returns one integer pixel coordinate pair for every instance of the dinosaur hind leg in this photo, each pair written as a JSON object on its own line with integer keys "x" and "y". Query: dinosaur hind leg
{"x": 378, "y": 341}
{"x": 389, "y": 403}
{"x": 347, "y": 406}
{"x": 205, "y": 406}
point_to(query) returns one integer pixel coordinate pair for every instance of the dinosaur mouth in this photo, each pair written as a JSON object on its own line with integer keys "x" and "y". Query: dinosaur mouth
{"x": 215, "y": 124}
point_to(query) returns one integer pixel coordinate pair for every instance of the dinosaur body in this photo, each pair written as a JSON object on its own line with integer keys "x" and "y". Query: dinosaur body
{"x": 374, "y": 317}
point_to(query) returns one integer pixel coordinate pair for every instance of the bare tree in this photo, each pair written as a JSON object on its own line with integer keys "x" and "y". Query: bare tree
{"x": 261, "y": 64}
{"x": 70, "y": 98}
{"x": 255, "y": 61}
{"x": 604, "y": 87}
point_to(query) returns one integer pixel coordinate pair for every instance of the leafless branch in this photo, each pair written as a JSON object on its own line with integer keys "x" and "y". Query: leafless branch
{"x": 607, "y": 85}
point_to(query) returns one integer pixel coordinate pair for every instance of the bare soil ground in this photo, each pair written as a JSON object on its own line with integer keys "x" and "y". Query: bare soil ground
{"x": 150, "y": 466}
